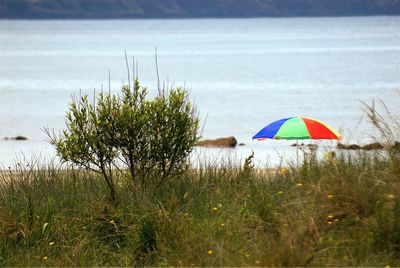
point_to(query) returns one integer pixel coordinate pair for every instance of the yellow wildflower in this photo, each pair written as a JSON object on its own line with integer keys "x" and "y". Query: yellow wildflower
{"x": 330, "y": 217}
{"x": 336, "y": 220}
{"x": 112, "y": 222}
{"x": 329, "y": 222}
{"x": 45, "y": 258}
{"x": 247, "y": 255}
{"x": 283, "y": 171}
{"x": 215, "y": 208}
{"x": 222, "y": 225}
{"x": 51, "y": 243}
{"x": 328, "y": 155}
{"x": 257, "y": 262}
{"x": 387, "y": 266}
{"x": 299, "y": 184}
{"x": 280, "y": 192}
{"x": 390, "y": 196}
{"x": 330, "y": 196}
{"x": 210, "y": 252}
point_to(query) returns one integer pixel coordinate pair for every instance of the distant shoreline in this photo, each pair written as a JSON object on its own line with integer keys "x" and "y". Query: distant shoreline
{"x": 188, "y": 9}
{"x": 187, "y": 18}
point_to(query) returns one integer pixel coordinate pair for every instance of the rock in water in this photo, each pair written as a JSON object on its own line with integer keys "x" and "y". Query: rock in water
{"x": 348, "y": 146}
{"x": 229, "y": 142}
{"x": 17, "y": 138}
{"x": 373, "y": 146}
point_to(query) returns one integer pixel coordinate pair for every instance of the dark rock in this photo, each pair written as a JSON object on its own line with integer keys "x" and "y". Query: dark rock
{"x": 310, "y": 146}
{"x": 21, "y": 138}
{"x": 241, "y": 144}
{"x": 396, "y": 145}
{"x": 221, "y": 142}
{"x": 348, "y": 146}
{"x": 373, "y": 146}
{"x": 297, "y": 144}
{"x": 17, "y": 138}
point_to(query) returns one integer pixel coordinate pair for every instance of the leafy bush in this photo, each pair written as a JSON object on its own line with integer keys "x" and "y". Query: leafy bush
{"x": 89, "y": 140}
{"x": 173, "y": 126}
{"x": 152, "y": 138}
{"x": 132, "y": 131}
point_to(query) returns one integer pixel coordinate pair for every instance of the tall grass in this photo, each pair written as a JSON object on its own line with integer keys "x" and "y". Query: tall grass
{"x": 341, "y": 211}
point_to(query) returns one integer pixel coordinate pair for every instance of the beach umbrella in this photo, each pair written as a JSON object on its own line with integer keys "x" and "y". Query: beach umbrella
{"x": 297, "y": 128}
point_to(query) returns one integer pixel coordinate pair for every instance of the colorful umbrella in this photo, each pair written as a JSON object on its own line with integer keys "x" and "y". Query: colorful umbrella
{"x": 297, "y": 128}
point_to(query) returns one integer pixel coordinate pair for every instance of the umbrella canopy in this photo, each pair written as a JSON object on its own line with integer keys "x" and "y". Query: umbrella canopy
{"x": 297, "y": 128}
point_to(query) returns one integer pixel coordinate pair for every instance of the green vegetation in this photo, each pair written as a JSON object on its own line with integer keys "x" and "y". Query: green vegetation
{"x": 343, "y": 210}
{"x": 340, "y": 211}
{"x": 152, "y": 139}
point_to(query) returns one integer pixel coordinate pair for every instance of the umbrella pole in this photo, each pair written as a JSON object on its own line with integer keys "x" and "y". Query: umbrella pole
{"x": 297, "y": 153}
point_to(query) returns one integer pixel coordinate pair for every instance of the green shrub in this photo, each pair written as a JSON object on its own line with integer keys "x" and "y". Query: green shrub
{"x": 173, "y": 125}
{"x": 152, "y": 138}
{"x": 132, "y": 134}
{"x": 89, "y": 140}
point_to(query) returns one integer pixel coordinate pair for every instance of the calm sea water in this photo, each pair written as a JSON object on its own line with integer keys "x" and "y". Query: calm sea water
{"x": 242, "y": 73}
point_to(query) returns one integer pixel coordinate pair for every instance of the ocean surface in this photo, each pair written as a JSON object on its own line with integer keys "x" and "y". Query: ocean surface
{"x": 242, "y": 74}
